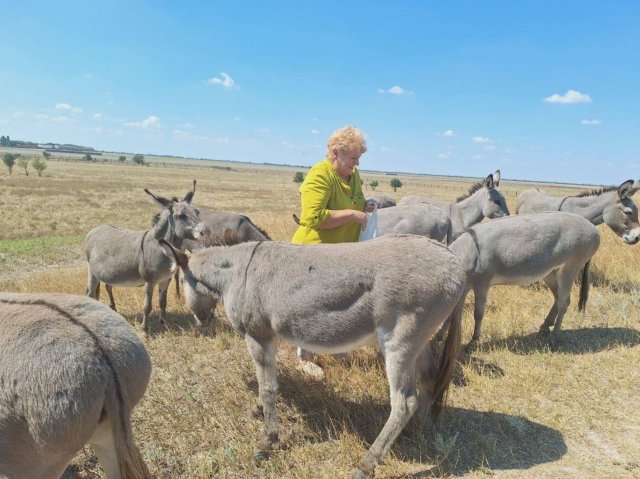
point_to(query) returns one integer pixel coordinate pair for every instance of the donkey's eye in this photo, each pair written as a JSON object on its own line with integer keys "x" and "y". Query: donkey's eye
{"x": 182, "y": 216}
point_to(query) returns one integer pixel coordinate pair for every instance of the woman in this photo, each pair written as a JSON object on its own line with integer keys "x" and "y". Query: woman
{"x": 333, "y": 206}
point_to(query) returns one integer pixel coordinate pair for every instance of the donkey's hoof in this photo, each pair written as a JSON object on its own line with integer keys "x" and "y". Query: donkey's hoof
{"x": 257, "y": 412}
{"x": 259, "y": 457}
{"x": 472, "y": 346}
{"x": 361, "y": 475}
{"x": 544, "y": 330}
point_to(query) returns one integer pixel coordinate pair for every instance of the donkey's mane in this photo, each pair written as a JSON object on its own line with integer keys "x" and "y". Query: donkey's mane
{"x": 475, "y": 187}
{"x": 266, "y": 235}
{"x": 228, "y": 238}
{"x": 596, "y": 192}
{"x": 155, "y": 219}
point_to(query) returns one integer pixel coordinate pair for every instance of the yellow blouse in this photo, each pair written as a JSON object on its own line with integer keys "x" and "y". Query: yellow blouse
{"x": 322, "y": 191}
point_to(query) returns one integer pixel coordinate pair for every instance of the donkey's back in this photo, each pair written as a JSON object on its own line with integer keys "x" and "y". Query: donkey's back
{"x": 72, "y": 371}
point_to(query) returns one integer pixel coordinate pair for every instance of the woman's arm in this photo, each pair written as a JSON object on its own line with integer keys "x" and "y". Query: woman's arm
{"x": 342, "y": 217}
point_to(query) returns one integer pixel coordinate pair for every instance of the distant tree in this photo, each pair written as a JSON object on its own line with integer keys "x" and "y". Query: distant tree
{"x": 23, "y": 162}
{"x": 9, "y": 159}
{"x": 87, "y": 157}
{"x": 46, "y": 154}
{"x": 122, "y": 158}
{"x": 3, "y": 140}
{"x": 138, "y": 159}
{"x": 298, "y": 177}
{"x": 39, "y": 165}
{"x": 396, "y": 183}
{"x": 374, "y": 185}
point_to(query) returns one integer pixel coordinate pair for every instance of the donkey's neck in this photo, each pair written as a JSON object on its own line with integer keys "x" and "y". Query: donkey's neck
{"x": 590, "y": 207}
{"x": 467, "y": 212}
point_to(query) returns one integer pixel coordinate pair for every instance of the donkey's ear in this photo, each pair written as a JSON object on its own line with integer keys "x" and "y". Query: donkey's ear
{"x": 181, "y": 258}
{"x": 162, "y": 201}
{"x": 189, "y": 196}
{"x": 496, "y": 178}
{"x": 626, "y": 189}
{"x": 489, "y": 182}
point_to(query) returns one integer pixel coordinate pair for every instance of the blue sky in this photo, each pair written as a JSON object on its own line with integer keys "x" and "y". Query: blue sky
{"x": 542, "y": 90}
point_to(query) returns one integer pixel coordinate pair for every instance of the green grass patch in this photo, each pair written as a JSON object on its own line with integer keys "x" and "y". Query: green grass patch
{"x": 46, "y": 249}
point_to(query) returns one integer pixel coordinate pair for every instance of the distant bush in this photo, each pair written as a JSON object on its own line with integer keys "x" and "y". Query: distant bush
{"x": 395, "y": 183}
{"x": 39, "y": 165}
{"x": 23, "y": 162}
{"x": 122, "y": 158}
{"x": 374, "y": 185}
{"x": 298, "y": 177}
{"x": 87, "y": 157}
{"x": 9, "y": 159}
{"x": 46, "y": 154}
{"x": 138, "y": 159}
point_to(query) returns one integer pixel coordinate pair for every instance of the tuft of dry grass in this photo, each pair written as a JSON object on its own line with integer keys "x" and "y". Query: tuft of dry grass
{"x": 516, "y": 409}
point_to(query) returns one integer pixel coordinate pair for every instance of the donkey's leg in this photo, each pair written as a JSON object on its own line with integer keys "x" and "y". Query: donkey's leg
{"x": 565, "y": 279}
{"x": 427, "y": 371}
{"x": 146, "y": 310}
{"x": 109, "y": 289}
{"x": 400, "y": 362}
{"x": 93, "y": 286}
{"x": 263, "y": 353}
{"x": 176, "y": 278}
{"x": 103, "y": 446}
{"x": 553, "y": 312}
{"x": 480, "y": 293}
{"x": 163, "y": 289}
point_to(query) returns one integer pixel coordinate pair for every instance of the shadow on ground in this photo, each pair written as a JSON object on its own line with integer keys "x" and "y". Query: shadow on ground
{"x": 572, "y": 341}
{"x": 462, "y": 441}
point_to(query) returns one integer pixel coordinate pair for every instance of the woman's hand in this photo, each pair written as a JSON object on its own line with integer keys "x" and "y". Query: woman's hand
{"x": 360, "y": 217}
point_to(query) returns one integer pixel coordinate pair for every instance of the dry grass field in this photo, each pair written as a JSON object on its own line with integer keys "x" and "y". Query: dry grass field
{"x": 516, "y": 409}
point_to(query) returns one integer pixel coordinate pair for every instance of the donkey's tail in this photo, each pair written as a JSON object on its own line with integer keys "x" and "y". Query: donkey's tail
{"x": 584, "y": 287}
{"x": 130, "y": 461}
{"x": 448, "y": 359}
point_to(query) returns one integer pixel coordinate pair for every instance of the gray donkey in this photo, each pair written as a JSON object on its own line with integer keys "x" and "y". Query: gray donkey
{"x": 71, "y": 371}
{"x": 421, "y": 219}
{"x": 483, "y": 200}
{"x": 121, "y": 257}
{"x": 332, "y": 298}
{"x": 220, "y": 223}
{"x": 612, "y": 206}
{"x": 552, "y": 247}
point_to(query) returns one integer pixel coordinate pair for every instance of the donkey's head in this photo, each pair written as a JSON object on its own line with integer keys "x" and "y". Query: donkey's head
{"x": 491, "y": 198}
{"x": 185, "y": 219}
{"x": 622, "y": 215}
{"x": 199, "y": 297}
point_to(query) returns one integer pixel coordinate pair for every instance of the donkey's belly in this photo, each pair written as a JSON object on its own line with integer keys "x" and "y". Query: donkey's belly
{"x": 324, "y": 347}
{"x": 521, "y": 278}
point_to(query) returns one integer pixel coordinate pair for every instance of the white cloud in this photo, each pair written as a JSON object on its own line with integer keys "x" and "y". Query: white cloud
{"x": 97, "y": 116}
{"x": 236, "y": 119}
{"x": 482, "y": 139}
{"x": 99, "y": 130}
{"x": 572, "y": 96}
{"x": 62, "y": 119}
{"x": 41, "y": 116}
{"x": 263, "y": 130}
{"x": 448, "y": 133}
{"x": 146, "y": 123}
{"x": 489, "y": 147}
{"x": 477, "y": 157}
{"x": 187, "y": 125}
{"x": 395, "y": 90}
{"x": 222, "y": 139}
{"x": 67, "y": 107}
{"x": 18, "y": 114}
{"x": 315, "y": 132}
{"x": 182, "y": 135}
{"x": 87, "y": 75}
{"x": 442, "y": 156}
{"x": 224, "y": 80}
{"x": 386, "y": 149}
{"x": 591, "y": 122}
